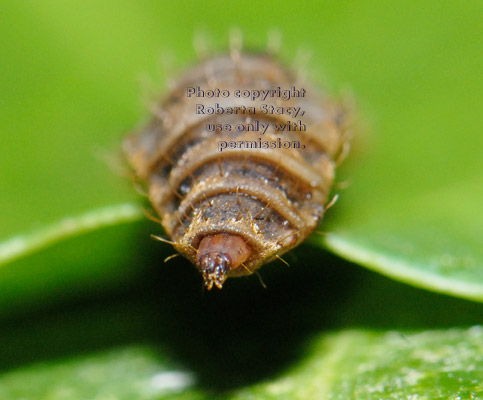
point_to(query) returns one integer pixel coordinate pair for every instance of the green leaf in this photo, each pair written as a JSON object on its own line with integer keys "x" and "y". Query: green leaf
{"x": 362, "y": 365}
{"x": 119, "y": 348}
{"x": 126, "y": 373}
{"x": 97, "y": 219}
{"x": 414, "y": 211}
{"x": 377, "y": 339}
{"x": 432, "y": 365}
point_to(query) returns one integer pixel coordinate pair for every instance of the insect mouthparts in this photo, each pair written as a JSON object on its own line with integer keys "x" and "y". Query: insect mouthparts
{"x": 213, "y": 267}
{"x": 221, "y": 255}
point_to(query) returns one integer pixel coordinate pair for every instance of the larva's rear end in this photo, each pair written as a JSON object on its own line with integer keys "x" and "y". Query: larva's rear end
{"x": 232, "y": 200}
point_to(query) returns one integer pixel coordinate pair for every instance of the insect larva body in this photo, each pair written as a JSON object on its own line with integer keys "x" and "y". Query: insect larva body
{"x": 233, "y": 210}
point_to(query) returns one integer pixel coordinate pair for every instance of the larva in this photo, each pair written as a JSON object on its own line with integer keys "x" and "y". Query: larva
{"x": 231, "y": 207}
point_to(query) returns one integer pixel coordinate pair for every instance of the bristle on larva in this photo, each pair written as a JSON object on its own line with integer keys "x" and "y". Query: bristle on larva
{"x": 239, "y": 161}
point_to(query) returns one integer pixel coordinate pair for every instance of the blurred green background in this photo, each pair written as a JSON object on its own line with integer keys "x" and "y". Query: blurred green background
{"x": 70, "y": 90}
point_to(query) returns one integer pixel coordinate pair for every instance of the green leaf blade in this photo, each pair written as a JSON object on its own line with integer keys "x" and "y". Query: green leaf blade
{"x": 432, "y": 365}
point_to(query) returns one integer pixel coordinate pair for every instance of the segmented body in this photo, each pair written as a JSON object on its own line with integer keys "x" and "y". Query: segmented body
{"x": 271, "y": 198}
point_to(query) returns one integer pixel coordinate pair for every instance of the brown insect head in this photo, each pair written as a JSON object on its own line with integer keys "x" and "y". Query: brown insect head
{"x": 213, "y": 267}
{"x": 219, "y": 255}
